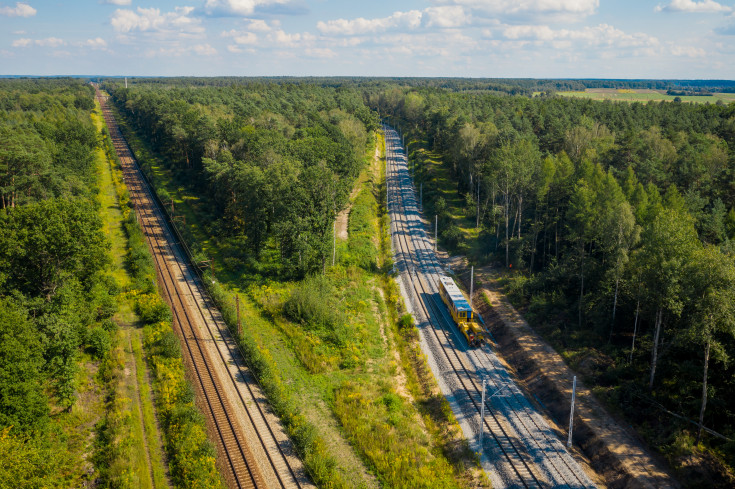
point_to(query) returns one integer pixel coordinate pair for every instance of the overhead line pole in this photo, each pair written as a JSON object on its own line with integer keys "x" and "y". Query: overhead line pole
{"x": 571, "y": 412}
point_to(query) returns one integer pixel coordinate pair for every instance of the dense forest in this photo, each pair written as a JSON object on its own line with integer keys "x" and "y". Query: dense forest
{"x": 277, "y": 161}
{"x": 55, "y": 295}
{"x": 617, "y": 220}
{"x": 500, "y": 86}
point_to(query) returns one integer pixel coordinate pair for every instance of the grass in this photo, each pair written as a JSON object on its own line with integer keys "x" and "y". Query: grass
{"x": 646, "y": 96}
{"x": 310, "y": 367}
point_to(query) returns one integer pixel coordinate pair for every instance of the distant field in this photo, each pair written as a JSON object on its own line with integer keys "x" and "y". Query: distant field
{"x": 628, "y": 95}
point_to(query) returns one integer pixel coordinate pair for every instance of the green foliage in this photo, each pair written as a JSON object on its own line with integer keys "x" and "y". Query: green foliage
{"x": 310, "y": 304}
{"x": 151, "y": 309}
{"x": 23, "y": 403}
{"x": 30, "y": 462}
{"x": 44, "y": 244}
{"x": 383, "y": 429}
{"x": 406, "y": 322}
{"x": 55, "y": 296}
{"x": 361, "y": 231}
{"x": 99, "y": 342}
{"x": 274, "y": 160}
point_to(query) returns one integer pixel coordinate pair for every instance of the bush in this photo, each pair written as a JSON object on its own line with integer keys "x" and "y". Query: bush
{"x": 406, "y": 322}
{"x": 310, "y": 304}
{"x": 98, "y": 342}
{"x": 451, "y": 236}
{"x": 168, "y": 345}
{"x": 151, "y": 309}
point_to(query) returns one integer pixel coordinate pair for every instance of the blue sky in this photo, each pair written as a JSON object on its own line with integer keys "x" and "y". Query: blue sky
{"x": 473, "y": 38}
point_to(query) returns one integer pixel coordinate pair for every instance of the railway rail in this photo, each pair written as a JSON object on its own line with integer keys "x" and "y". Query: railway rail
{"x": 521, "y": 446}
{"x": 253, "y": 449}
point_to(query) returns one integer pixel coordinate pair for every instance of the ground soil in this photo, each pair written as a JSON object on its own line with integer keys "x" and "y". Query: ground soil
{"x": 616, "y": 453}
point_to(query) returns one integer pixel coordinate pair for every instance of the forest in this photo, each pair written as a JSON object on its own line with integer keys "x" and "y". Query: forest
{"x": 614, "y": 223}
{"x": 56, "y": 298}
{"x": 278, "y": 162}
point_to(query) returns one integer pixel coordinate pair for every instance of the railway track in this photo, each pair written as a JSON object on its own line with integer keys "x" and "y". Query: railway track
{"x": 253, "y": 449}
{"x": 522, "y": 446}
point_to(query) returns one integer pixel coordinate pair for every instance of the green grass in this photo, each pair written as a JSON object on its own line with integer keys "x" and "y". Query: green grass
{"x": 651, "y": 96}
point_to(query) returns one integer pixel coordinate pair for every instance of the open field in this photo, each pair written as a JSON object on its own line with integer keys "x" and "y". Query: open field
{"x": 627, "y": 95}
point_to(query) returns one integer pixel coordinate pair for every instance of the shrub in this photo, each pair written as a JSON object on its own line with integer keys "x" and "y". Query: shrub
{"x": 310, "y": 304}
{"x": 406, "y": 322}
{"x": 98, "y": 342}
{"x": 151, "y": 309}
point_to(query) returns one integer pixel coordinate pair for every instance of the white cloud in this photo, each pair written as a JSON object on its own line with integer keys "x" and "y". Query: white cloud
{"x": 243, "y": 37}
{"x": 344, "y": 27}
{"x": 531, "y": 7}
{"x": 324, "y": 53}
{"x": 238, "y": 7}
{"x": 448, "y": 16}
{"x": 52, "y": 42}
{"x": 284, "y": 39}
{"x": 204, "y": 50}
{"x": 20, "y": 10}
{"x": 152, "y": 20}
{"x": 600, "y": 35}
{"x": 688, "y": 51}
{"x": 705, "y": 6}
{"x": 22, "y": 43}
{"x": 259, "y": 26}
{"x": 117, "y": 2}
{"x": 96, "y": 43}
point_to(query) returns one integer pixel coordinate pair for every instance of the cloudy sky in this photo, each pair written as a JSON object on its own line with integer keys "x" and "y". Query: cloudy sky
{"x": 476, "y": 38}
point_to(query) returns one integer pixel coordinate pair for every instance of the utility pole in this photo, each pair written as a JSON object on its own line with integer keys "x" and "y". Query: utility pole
{"x": 482, "y": 413}
{"x": 472, "y": 282}
{"x": 334, "y": 241}
{"x": 571, "y": 412}
{"x": 436, "y": 230}
{"x": 421, "y": 196}
{"x": 237, "y": 307}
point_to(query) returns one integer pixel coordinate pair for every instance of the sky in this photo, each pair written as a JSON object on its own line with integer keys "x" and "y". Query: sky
{"x": 683, "y": 39}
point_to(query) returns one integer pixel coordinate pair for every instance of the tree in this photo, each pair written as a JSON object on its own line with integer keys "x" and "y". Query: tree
{"x": 23, "y": 403}
{"x": 46, "y": 243}
{"x": 668, "y": 243}
{"x": 712, "y": 318}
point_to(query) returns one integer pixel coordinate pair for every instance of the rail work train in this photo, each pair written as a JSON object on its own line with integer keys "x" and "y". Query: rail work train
{"x": 469, "y": 322}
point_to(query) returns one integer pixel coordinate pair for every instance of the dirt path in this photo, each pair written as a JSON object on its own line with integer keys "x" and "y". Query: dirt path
{"x": 343, "y": 218}
{"x": 616, "y": 452}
